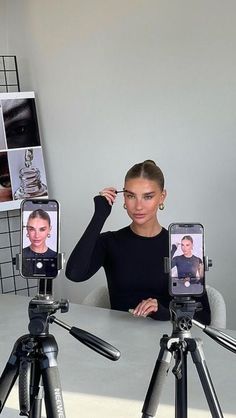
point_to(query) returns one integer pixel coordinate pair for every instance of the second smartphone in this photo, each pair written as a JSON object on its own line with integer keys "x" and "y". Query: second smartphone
{"x": 186, "y": 259}
{"x": 39, "y": 238}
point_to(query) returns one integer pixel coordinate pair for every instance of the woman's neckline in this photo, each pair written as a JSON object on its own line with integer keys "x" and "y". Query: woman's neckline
{"x": 144, "y": 236}
{"x": 39, "y": 253}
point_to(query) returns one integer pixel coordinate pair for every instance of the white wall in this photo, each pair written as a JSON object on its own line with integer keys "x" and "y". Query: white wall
{"x": 3, "y": 27}
{"x": 121, "y": 81}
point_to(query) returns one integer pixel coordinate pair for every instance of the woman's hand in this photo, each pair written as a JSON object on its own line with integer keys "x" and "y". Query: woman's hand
{"x": 146, "y": 307}
{"x": 110, "y": 194}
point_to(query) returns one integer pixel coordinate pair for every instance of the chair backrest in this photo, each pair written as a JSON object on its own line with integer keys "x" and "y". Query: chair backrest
{"x": 98, "y": 297}
{"x": 217, "y": 306}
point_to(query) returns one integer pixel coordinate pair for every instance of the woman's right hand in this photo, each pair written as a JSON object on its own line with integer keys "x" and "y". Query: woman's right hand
{"x": 109, "y": 193}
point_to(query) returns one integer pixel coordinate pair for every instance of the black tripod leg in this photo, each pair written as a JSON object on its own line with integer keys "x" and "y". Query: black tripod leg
{"x": 7, "y": 380}
{"x": 10, "y": 373}
{"x": 24, "y": 386}
{"x": 36, "y": 390}
{"x": 180, "y": 372}
{"x": 52, "y": 393}
{"x": 200, "y": 363}
{"x": 155, "y": 387}
{"x": 37, "y": 405}
{"x": 51, "y": 381}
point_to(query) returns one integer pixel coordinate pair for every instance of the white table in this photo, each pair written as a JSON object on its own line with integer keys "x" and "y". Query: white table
{"x": 94, "y": 386}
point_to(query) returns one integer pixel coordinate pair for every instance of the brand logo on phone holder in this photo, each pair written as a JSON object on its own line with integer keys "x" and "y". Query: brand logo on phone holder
{"x": 34, "y": 356}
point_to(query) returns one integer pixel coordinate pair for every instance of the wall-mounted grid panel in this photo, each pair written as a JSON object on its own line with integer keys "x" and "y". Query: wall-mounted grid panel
{"x": 10, "y": 280}
{"x": 9, "y": 79}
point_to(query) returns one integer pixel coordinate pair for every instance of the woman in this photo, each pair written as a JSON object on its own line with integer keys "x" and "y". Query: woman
{"x": 188, "y": 265}
{"x": 133, "y": 257}
{"x": 38, "y": 230}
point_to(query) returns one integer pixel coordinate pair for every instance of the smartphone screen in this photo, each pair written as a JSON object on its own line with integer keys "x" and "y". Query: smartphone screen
{"x": 39, "y": 238}
{"x": 186, "y": 259}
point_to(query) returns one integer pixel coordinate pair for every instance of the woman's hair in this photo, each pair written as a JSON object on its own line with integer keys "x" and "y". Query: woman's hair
{"x": 40, "y": 213}
{"x": 147, "y": 170}
{"x": 188, "y": 237}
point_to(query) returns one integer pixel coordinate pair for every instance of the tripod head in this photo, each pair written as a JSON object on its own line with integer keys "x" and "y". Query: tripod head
{"x": 41, "y": 310}
{"x": 182, "y": 311}
{"x": 43, "y": 306}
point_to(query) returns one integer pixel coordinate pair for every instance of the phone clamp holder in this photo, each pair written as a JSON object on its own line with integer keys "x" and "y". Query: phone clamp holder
{"x": 60, "y": 262}
{"x": 34, "y": 356}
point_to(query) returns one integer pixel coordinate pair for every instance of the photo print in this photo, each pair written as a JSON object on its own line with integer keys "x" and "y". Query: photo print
{"x": 21, "y": 156}
{"x": 20, "y": 121}
{"x": 28, "y": 177}
{"x": 5, "y": 182}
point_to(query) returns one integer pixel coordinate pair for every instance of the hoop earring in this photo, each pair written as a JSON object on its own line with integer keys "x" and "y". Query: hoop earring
{"x": 161, "y": 206}
{"x": 124, "y": 206}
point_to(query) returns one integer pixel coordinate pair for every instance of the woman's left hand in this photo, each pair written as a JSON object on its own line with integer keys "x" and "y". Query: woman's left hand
{"x": 146, "y": 307}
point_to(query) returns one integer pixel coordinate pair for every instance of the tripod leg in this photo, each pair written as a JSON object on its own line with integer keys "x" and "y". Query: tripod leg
{"x": 160, "y": 371}
{"x": 24, "y": 386}
{"x": 204, "y": 375}
{"x": 7, "y": 380}
{"x": 30, "y": 391}
{"x": 10, "y": 373}
{"x": 51, "y": 381}
{"x": 53, "y": 394}
{"x": 180, "y": 372}
{"x": 36, "y": 410}
{"x": 36, "y": 390}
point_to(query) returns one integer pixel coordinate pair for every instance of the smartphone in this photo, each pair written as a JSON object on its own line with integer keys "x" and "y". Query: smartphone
{"x": 186, "y": 259}
{"x": 39, "y": 238}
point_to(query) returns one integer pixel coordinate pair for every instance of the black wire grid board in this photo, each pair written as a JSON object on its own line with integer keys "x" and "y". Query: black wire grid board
{"x": 10, "y": 279}
{"x": 9, "y": 79}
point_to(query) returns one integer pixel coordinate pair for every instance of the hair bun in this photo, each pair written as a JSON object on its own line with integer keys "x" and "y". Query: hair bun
{"x": 147, "y": 170}
{"x": 149, "y": 162}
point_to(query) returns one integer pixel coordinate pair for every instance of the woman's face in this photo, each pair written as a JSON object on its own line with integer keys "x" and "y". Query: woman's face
{"x": 186, "y": 247}
{"x": 142, "y": 198}
{"x": 38, "y": 230}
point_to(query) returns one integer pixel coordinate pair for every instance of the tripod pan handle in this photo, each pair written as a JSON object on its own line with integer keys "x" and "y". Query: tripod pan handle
{"x": 95, "y": 343}
{"x": 221, "y": 338}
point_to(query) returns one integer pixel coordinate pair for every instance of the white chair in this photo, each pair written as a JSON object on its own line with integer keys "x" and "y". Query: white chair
{"x": 100, "y": 297}
{"x": 217, "y": 306}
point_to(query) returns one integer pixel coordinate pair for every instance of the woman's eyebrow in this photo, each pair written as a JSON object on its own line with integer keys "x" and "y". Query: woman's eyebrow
{"x": 128, "y": 191}
{"x": 144, "y": 194}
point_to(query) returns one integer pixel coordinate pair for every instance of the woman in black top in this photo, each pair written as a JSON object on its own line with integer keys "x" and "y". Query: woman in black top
{"x": 132, "y": 257}
{"x": 188, "y": 265}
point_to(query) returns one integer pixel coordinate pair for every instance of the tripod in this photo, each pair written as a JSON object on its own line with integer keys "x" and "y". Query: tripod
{"x": 34, "y": 358}
{"x": 178, "y": 346}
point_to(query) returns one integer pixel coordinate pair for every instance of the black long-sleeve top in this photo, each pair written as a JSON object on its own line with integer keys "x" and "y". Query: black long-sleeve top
{"x": 133, "y": 264}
